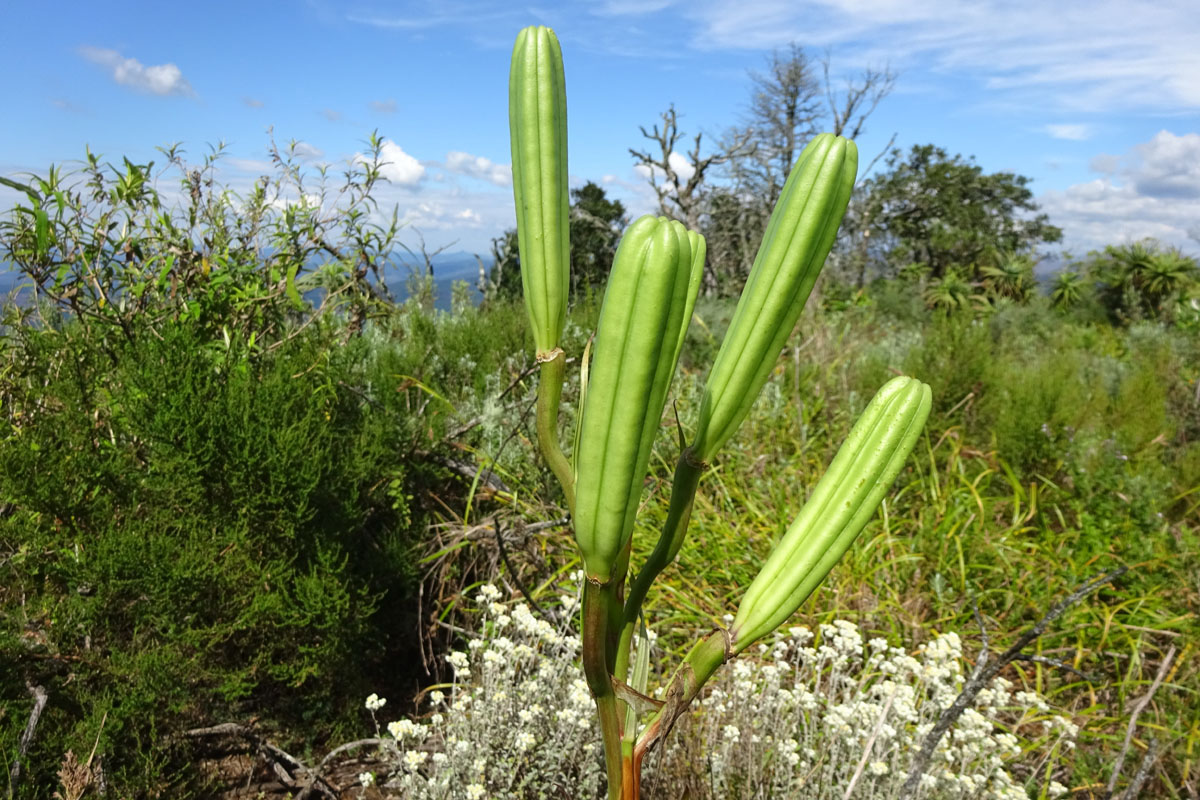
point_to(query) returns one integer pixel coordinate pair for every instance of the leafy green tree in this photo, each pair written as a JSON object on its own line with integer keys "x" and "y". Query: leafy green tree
{"x": 1142, "y": 279}
{"x": 951, "y": 292}
{"x": 596, "y": 225}
{"x": 944, "y": 211}
{"x": 1010, "y": 276}
{"x": 1067, "y": 289}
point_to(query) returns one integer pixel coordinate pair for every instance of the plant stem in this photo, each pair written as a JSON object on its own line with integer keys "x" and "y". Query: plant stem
{"x": 597, "y": 602}
{"x": 550, "y": 383}
{"x": 683, "y": 492}
{"x": 699, "y": 665}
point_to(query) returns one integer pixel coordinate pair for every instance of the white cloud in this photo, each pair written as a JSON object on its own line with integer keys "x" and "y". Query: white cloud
{"x": 253, "y": 102}
{"x": 1152, "y": 190}
{"x": 1078, "y": 55}
{"x": 683, "y": 168}
{"x": 161, "y": 79}
{"x": 397, "y": 166}
{"x": 305, "y": 150}
{"x": 384, "y": 106}
{"x": 1072, "y": 131}
{"x": 479, "y": 167}
{"x": 331, "y": 115}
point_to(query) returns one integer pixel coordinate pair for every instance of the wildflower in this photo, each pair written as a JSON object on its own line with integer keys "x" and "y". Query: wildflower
{"x": 732, "y": 734}
{"x": 524, "y": 741}
{"x": 366, "y": 778}
{"x": 375, "y": 702}
{"x": 414, "y": 759}
{"x": 1056, "y": 789}
{"x": 475, "y": 791}
{"x": 877, "y": 768}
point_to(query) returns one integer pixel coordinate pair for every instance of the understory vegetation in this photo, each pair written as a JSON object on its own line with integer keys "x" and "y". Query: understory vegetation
{"x": 240, "y": 482}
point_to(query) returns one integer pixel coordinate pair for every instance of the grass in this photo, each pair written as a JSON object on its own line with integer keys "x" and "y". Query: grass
{"x": 1057, "y": 450}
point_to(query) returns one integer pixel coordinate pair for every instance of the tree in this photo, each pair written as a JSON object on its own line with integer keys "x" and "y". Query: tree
{"x": 1142, "y": 279}
{"x": 677, "y": 178}
{"x": 596, "y": 225}
{"x": 728, "y": 193}
{"x": 944, "y": 211}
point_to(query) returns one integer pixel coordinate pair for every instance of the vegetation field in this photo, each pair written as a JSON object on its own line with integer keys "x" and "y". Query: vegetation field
{"x": 241, "y": 485}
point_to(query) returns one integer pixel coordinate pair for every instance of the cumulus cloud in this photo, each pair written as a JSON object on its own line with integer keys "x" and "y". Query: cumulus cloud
{"x": 161, "y": 79}
{"x": 384, "y": 106}
{"x": 479, "y": 167}
{"x": 396, "y": 165}
{"x": 1151, "y": 190}
{"x": 1071, "y": 131}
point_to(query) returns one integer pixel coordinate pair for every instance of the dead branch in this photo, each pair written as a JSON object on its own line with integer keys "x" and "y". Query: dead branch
{"x": 39, "y": 702}
{"x": 983, "y": 673}
{"x": 1131, "y": 728}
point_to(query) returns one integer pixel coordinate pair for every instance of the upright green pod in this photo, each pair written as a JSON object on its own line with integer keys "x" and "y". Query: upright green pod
{"x": 842, "y": 503}
{"x": 537, "y": 118}
{"x": 647, "y": 306}
{"x": 799, "y": 235}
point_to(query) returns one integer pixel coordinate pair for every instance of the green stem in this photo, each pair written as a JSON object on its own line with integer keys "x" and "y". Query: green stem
{"x": 597, "y": 602}
{"x": 701, "y": 662}
{"x": 683, "y": 493}
{"x": 550, "y": 385}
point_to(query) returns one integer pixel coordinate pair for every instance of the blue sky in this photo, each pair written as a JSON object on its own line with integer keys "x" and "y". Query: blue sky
{"x": 1098, "y": 102}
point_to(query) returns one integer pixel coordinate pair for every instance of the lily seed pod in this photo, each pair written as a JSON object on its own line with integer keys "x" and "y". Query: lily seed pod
{"x": 537, "y": 118}
{"x": 793, "y": 250}
{"x": 647, "y": 306}
{"x": 842, "y": 503}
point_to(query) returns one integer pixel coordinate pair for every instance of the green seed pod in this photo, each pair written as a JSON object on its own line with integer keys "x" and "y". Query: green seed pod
{"x": 842, "y": 503}
{"x": 647, "y": 306}
{"x": 537, "y": 119}
{"x": 798, "y": 238}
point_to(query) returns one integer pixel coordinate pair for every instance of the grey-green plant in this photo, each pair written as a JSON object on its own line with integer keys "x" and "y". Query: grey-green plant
{"x": 647, "y": 306}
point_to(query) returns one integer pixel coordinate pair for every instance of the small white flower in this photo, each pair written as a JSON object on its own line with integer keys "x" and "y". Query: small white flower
{"x": 475, "y": 791}
{"x": 436, "y": 697}
{"x": 414, "y": 759}
{"x": 375, "y": 702}
{"x": 1056, "y": 789}
{"x": 731, "y": 733}
{"x": 488, "y": 592}
{"x": 524, "y": 741}
{"x": 366, "y": 778}
{"x": 877, "y": 768}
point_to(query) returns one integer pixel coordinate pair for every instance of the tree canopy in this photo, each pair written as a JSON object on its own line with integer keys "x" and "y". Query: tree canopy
{"x": 944, "y": 211}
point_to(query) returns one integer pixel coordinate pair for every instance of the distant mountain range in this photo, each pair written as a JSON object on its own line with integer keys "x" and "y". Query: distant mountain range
{"x": 447, "y": 268}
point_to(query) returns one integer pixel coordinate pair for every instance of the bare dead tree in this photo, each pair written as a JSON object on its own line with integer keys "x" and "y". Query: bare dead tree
{"x": 857, "y": 99}
{"x": 680, "y": 198}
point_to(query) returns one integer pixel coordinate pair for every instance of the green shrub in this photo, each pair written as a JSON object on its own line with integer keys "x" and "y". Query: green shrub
{"x": 200, "y": 531}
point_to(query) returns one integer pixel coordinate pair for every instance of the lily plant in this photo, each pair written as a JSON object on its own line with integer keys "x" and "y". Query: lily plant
{"x": 647, "y": 306}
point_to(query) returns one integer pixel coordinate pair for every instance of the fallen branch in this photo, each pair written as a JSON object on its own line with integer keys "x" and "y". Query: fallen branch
{"x": 984, "y": 672}
{"x": 39, "y": 702}
{"x": 291, "y": 771}
{"x": 1138, "y": 706}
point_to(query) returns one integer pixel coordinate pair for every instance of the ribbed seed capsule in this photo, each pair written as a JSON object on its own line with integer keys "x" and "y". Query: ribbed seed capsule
{"x": 798, "y": 238}
{"x": 842, "y": 503}
{"x": 647, "y": 306}
{"x": 537, "y": 119}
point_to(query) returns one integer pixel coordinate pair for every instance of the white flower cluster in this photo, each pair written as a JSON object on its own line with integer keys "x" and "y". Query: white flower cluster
{"x": 795, "y": 721}
{"x": 517, "y": 719}
{"x": 800, "y": 720}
